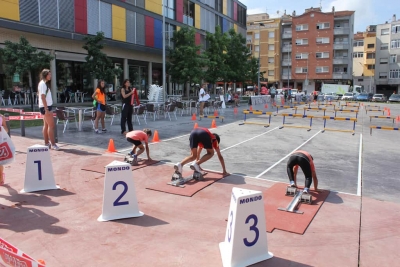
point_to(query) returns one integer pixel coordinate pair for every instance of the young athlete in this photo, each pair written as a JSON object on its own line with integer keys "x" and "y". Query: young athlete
{"x": 4, "y": 124}
{"x": 136, "y": 138}
{"x": 306, "y": 163}
{"x": 201, "y": 138}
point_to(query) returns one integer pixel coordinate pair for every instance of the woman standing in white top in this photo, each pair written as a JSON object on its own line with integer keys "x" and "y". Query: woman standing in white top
{"x": 45, "y": 107}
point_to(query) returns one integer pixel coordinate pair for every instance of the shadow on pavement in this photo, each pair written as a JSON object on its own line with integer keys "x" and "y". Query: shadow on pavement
{"x": 145, "y": 221}
{"x": 334, "y": 198}
{"x": 79, "y": 152}
{"x": 279, "y": 262}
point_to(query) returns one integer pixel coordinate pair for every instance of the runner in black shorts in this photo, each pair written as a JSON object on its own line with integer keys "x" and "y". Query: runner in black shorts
{"x": 202, "y": 138}
{"x": 306, "y": 163}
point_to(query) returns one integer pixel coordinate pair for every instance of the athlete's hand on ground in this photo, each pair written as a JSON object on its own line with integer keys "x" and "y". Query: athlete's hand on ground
{"x": 225, "y": 173}
{"x": 149, "y": 159}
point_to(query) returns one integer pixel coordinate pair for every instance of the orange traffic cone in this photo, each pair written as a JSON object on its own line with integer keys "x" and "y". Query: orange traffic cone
{"x": 235, "y": 111}
{"x": 251, "y": 108}
{"x": 266, "y": 106}
{"x": 41, "y": 262}
{"x": 213, "y": 124}
{"x": 155, "y": 137}
{"x": 194, "y": 117}
{"x": 111, "y": 147}
{"x": 195, "y": 126}
{"x": 215, "y": 113}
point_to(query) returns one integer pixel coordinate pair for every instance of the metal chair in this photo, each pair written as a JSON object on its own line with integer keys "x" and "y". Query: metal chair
{"x": 151, "y": 110}
{"x": 89, "y": 115}
{"x": 171, "y": 108}
{"x": 140, "y": 111}
{"x": 179, "y": 105}
{"x": 110, "y": 111}
{"x": 62, "y": 116}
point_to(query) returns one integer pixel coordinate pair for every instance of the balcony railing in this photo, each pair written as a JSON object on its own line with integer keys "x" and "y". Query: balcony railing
{"x": 249, "y": 41}
{"x": 341, "y": 45}
{"x": 287, "y": 35}
{"x": 286, "y": 76}
{"x": 287, "y": 48}
{"x": 341, "y": 31}
{"x": 286, "y": 62}
{"x": 341, "y": 75}
{"x": 187, "y": 20}
{"x": 340, "y": 60}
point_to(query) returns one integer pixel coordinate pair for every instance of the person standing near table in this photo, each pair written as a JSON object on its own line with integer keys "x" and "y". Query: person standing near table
{"x": 45, "y": 107}
{"x": 202, "y": 93}
{"x": 129, "y": 96}
{"x": 100, "y": 96}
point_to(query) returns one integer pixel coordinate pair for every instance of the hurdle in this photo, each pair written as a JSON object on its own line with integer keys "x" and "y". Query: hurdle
{"x": 382, "y": 128}
{"x": 354, "y": 120}
{"x": 347, "y": 111}
{"x": 318, "y": 109}
{"x": 352, "y": 104}
{"x": 375, "y": 110}
{"x": 212, "y": 117}
{"x": 256, "y": 112}
{"x": 382, "y": 117}
{"x": 296, "y": 116}
{"x": 285, "y": 107}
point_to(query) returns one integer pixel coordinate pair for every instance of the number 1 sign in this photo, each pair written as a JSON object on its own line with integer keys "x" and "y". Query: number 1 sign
{"x": 39, "y": 170}
{"x": 246, "y": 237}
{"x": 119, "y": 200}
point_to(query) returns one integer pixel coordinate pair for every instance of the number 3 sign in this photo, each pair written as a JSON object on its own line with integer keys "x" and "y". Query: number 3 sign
{"x": 246, "y": 237}
{"x": 119, "y": 199}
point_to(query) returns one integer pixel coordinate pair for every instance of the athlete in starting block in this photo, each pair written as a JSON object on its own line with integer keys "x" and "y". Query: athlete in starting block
{"x": 201, "y": 138}
{"x": 306, "y": 163}
{"x": 136, "y": 138}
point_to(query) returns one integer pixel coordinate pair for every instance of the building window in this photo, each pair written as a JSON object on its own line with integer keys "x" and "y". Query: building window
{"x": 358, "y": 54}
{"x": 384, "y": 46}
{"x": 170, "y": 9}
{"x": 218, "y": 5}
{"x": 301, "y": 55}
{"x": 271, "y": 34}
{"x": 301, "y": 70}
{"x": 360, "y": 80}
{"x": 383, "y": 61}
{"x": 271, "y": 73}
{"x": 370, "y": 45}
{"x": 393, "y": 58}
{"x": 385, "y": 31}
{"x": 271, "y": 47}
{"x": 323, "y": 40}
{"x": 382, "y": 75}
{"x": 257, "y": 36}
{"x": 394, "y": 74}
{"x": 358, "y": 43}
{"x": 322, "y": 69}
{"x": 302, "y": 27}
{"x": 370, "y": 55}
{"x": 322, "y": 55}
{"x": 301, "y": 41}
{"x": 321, "y": 26}
{"x": 395, "y": 43}
{"x": 396, "y": 29}
{"x": 371, "y": 67}
{"x": 271, "y": 60}
{"x": 256, "y": 48}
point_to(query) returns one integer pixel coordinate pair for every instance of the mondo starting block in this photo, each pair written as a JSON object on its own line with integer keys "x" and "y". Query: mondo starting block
{"x": 347, "y": 111}
{"x": 12, "y": 256}
{"x": 245, "y": 238}
{"x": 382, "y": 128}
{"x": 317, "y": 109}
{"x": 296, "y": 116}
{"x": 354, "y": 120}
{"x": 375, "y": 110}
{"x": 256, "y": 112}
{"x": 119, "y": 198}
{"x": 211, "y": 117}
{"x": 382, "y": 117}
{"x": 39, "y": 175}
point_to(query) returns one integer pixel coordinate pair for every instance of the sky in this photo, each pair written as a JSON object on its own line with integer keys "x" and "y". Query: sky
{"x": 368, "y": 12}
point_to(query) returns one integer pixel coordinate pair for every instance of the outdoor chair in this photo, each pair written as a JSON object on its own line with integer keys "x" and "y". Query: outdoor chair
{"x": 179, "y": 105}
{"x": 171, "y": 108}
{"x": 140, "y": 111}
{"x": 151, "y": 110}
{"x": 89, "y": 115}
{"x": 110, "y": 111}
{"x": 62, "y": 116}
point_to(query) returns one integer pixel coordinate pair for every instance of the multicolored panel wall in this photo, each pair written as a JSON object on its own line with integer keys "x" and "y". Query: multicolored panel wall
{"x": 9, "y": 9}
{"x": 154, "y": 6}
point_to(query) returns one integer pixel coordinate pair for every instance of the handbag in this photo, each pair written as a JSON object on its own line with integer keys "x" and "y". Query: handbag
{"x": 7, "y": 148}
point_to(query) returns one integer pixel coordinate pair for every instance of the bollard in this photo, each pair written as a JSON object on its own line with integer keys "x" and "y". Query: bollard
{"x": 6, "y": 116}
{"x": 22, "y": 122}
{"x": 55, "y": 130}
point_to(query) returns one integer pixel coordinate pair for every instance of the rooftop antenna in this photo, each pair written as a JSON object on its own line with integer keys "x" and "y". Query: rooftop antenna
{"x": 320, "y": 4}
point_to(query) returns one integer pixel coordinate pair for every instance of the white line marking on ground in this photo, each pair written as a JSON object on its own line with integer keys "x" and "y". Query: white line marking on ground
{"x": 249, "y": 139}
{"x": 359, "y": 168}
{"x": 173, "y": 138}
{"x": 282, "y": 159}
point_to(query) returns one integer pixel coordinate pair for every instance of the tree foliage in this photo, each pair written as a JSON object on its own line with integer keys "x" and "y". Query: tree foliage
{"x": 216, "y": 56}
{"x": 185, "y": 62}
{"x": 252, "y": 73}
{"x": 97, "y": 63}
{"x": 237, "y": 55}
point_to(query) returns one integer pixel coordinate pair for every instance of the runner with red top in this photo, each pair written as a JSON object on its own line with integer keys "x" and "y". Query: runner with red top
{"x": 201, "y": 138}
{"x": 136, "y": 138}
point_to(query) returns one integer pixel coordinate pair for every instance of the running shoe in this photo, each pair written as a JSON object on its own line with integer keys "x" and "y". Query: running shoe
{"x": 195, "y": 167}
{"x": 55, "y": 147}
{"x": 178, "y": 167}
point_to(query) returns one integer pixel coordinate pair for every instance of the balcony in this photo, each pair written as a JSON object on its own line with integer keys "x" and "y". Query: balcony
{"x": 341, "y": 75}
{"x": 341, "y": 31}
{"x": 287, "y": 48}
{"x": 341, "y": 46}
{"x": 249, "y": 41}
{"x": 287, "y": 35}
{"x": 187, "y": 20}
{"x": 340, "y": 60}
{"x": 286, "y": 76}
{"x": 394, "y": 81}
{"x": 287, "y": 62}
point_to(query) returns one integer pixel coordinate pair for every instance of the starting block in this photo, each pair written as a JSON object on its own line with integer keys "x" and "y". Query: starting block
{"x": 245, "y": 238}
{"x": 39, "y": 173}
{"x": 211, "y": 117}
{"x": 129, "y": 159}
{"x": 12, "y": 256}
{"x": 298, "y": 197}
{"x": 179, "y": 181}
{"x": 119, "y": 198}
{"x": 296, "y": 116}
{"x": 256, "y": 112}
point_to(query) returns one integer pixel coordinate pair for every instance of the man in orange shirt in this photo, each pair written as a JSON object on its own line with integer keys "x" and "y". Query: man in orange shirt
{"x": 306, "y": 163}
{"x": 136, "y": 138}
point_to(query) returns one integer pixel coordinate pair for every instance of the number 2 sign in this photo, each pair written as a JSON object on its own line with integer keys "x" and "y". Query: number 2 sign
{"x": 119, "y": 199}
{"x": 246, "y": 237}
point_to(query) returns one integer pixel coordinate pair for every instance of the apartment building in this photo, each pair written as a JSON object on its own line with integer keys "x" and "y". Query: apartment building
{"x": 387, "y": 68}
{"x": 364, "y": 53}
{"x": 133, "y": 31}
{"x": 263, "y": 40}
{"x": 316, "y": 49}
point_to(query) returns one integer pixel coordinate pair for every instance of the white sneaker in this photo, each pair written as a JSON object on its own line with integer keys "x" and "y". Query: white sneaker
{"x": 292, "y": 184}
{"x": 55, "y": 147}
{"x": 195, "y": 167}
{"x": 305, "y": 191}
{"x": 178, "y": 167}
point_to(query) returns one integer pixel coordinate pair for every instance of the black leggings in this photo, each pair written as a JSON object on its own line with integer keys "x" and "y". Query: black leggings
{"x": 304, "y": 164}
{"x": 126, "y": 117}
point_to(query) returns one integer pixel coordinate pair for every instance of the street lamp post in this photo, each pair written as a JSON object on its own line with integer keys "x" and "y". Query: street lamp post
{"x": 163, "y": 55}
{"x": 259, "y": 52}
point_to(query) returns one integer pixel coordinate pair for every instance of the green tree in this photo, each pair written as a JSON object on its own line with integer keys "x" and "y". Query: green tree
{"x": 216, "y": 57}
{"x": 185, "y": 61}
{"x": 237, "y": 58}
{"x": 252, "y": 73}
{"x": 23, "y": 58}
{"x": 97, "y": 63}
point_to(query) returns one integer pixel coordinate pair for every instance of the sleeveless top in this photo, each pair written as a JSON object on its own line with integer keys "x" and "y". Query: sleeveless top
{"x": 126, "y": 101}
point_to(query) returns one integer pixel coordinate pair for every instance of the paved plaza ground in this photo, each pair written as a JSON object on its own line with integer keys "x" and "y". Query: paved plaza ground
{"x": 357, "y": 225}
